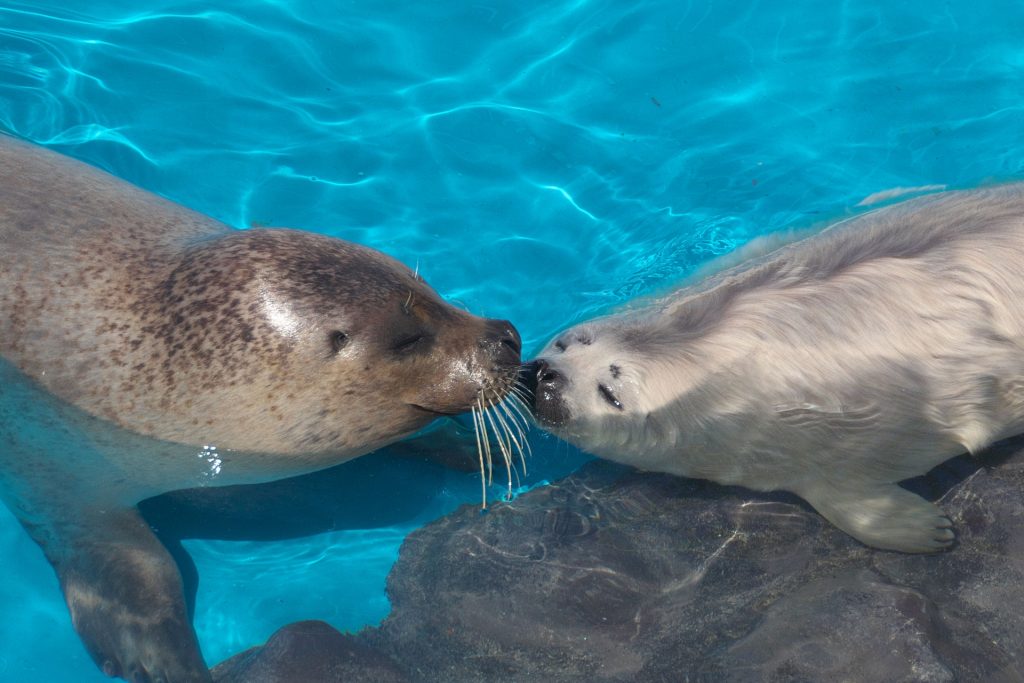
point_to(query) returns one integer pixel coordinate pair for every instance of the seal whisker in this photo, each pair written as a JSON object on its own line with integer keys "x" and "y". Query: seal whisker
{"x": 515, "y": 415}
{"x": 518, "y": 428}
{"x": 513, "y": 421}
{"x": 510, "y": 431}
{"x": 522, "y": 443}
{"x": 480, "y": 454}
{"x": 519, "y": 386}
{"x": 515, "y": 405}
{"x": 517, "y": 402}
{"x": 502, "y": 445}
{"x": 523, "y": 395}
{"x": 506, "y": 435}
{"x": 486, "y": 436}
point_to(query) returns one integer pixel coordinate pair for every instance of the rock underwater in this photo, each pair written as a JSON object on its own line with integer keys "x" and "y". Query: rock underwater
{"x": 616, "y": 575}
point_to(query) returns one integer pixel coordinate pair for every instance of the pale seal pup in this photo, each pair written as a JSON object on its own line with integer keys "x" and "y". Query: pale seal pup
{"x": 832, "y": 367}
{"x": 146, "y": 348}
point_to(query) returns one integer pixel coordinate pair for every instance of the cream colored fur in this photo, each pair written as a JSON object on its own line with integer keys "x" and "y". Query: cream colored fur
{"x": 832, "y": 367}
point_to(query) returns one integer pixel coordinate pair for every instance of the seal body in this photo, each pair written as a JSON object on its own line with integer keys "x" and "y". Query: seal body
{"x": 146, "y": 348}
{"x": 832, "y": 367}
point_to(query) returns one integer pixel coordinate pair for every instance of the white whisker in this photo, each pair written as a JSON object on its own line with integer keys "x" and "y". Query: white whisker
{"x": 487, "y": 442}
{"x": 507, "y": 417}
{"x": 520, "y": 406}
{"x": 522, "y": 394}
{"x": 515, "y": 404}
{"x": 508, "y": 425}
{"x": 503, "y": 446}
{"x": 512, "y": 434}
{"x": 480, "y": 453}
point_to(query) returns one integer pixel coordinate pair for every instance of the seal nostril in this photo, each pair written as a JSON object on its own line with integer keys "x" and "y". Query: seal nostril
{"x": 545, "y": 375}
{"x": 512, "y": 344}
{"x": 502, "y": 338}
{"x": 542, "y": 372}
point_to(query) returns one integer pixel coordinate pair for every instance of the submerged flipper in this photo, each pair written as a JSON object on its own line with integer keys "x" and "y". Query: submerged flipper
{"x": 125, "y": 596}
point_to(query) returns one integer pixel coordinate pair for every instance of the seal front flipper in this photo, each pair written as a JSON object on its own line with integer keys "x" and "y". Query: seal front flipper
{"x": 125, "y": 596}
{"x": 884, "y": 516}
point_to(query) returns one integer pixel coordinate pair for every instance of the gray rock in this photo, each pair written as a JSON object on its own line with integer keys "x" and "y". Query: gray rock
{"x": 308, "y": 652}
{"x": 615, "y": 575}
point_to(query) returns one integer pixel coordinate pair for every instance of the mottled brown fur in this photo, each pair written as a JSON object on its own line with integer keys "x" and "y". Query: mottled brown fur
{"x": 146, "y": 348}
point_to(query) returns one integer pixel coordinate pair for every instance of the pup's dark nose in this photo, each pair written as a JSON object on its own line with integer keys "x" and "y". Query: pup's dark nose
{"x": 537, "y": 376}
{"x": 545, "y": 385}
{"x": 546, "y": 376}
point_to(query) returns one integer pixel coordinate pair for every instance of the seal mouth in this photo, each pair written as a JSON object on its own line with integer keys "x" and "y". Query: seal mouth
{"x": 436, "y": 413}
{"x": 493, "y": 391}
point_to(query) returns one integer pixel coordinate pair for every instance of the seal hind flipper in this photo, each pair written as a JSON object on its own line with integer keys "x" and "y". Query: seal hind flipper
{"x": 884, "y": 516}
{"x": 126, "y": 600}
{"x": 121, "y": 585}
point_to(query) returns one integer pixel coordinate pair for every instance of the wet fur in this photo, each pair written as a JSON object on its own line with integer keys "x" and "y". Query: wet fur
{"x": 832, "y": 367}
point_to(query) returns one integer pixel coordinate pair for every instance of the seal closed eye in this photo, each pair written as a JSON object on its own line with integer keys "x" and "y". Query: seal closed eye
{"x": 833, "y": 366}
{"x": 609, "y": 396}
{"x": 146, "y": 348}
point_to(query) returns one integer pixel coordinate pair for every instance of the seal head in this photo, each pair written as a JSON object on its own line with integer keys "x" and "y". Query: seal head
{"x": 286, "y": 341}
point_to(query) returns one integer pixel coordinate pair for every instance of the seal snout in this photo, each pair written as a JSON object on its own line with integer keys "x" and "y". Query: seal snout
{"x": 545, "y": 385}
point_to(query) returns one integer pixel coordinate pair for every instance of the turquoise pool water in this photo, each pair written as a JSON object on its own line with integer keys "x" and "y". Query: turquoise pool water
{"x": 540, "y": 162}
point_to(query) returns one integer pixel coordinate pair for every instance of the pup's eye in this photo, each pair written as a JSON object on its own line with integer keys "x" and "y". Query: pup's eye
{"x": 337, "y": 340}
{"x": 607, "y": 394}
{"x": 409, "y": 343}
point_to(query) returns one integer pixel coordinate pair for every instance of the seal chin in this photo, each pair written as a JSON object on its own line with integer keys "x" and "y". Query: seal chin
{"x": 546, "y": 386}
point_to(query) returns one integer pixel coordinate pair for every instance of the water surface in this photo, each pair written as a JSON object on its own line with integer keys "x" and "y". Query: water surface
{"x": 540, "y": 162}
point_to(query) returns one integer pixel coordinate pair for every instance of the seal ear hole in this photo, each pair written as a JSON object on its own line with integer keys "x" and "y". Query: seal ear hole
{"x": 338, "y": 340}
{"x": 560, "y": 345}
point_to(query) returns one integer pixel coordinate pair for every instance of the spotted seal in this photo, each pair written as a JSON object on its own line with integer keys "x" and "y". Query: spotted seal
{"x": 146, "y": 348}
